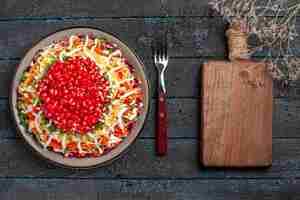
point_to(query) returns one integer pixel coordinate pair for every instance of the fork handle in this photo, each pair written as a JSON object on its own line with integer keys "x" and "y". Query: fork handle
{"x": 161, "y": 132}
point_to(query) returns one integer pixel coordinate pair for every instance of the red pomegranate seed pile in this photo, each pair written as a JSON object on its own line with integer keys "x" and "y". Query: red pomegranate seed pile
{"x": 74, "y": 94}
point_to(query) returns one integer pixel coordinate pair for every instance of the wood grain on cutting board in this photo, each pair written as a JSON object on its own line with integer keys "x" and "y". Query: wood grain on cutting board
{"x": 236, "y": 114}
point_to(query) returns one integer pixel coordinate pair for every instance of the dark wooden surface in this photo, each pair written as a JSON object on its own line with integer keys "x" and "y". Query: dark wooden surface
{"x": 194, "y": 37}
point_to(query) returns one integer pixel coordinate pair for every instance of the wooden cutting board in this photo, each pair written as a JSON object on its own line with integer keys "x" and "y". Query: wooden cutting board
{"x": 236, "y": 114}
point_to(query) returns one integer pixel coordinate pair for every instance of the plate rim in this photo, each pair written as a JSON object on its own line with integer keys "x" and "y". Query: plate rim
{"x": 48, "y": 155}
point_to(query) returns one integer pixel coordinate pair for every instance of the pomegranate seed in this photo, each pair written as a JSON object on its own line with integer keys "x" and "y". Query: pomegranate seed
{"x": 74, "y": 94}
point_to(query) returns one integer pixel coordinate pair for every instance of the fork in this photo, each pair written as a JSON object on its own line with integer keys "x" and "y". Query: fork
{"x": 161, "y": 62}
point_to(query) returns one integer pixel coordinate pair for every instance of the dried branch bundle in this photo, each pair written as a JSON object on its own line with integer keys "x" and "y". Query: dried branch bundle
{"x": 272, "y": 25}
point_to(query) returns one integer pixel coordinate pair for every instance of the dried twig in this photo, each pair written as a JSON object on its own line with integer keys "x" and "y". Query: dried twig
{"x": 273, "y": 24}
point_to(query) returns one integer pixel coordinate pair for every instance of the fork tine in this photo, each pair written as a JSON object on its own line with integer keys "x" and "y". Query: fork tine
{"x": 164, "y": 49}
{"x": 165, "y": 43}
{"x": 158, "y": 50}
{"x": 154, "y": 50}
{"x": 155, "y": 57}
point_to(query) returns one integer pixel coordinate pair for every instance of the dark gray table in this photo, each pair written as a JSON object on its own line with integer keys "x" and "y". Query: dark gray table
{"x": 194, "y": 37}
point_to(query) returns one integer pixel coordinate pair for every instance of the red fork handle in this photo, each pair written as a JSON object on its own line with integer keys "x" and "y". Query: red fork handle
{"x": 162, "y": 124}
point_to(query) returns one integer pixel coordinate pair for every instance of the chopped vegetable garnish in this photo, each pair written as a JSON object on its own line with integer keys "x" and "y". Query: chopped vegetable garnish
{"x": 79, "y": 97}
{"x": 36, "y": 101}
